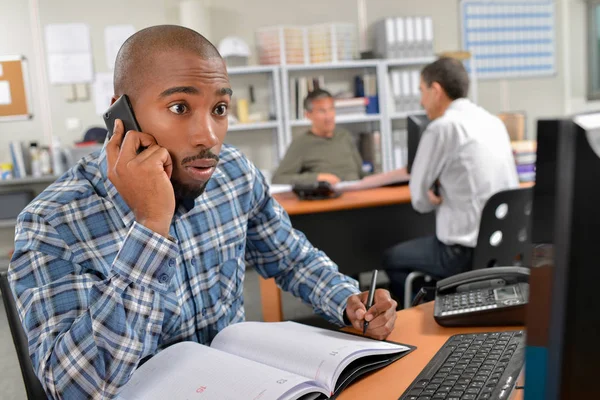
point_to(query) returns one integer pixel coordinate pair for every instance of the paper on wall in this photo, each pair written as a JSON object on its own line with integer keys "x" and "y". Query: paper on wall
{"x": 114, "y": 37}
{"x": 5, "y": 98}
{"x": 103, "y": 91}
{"x": 69, "y": 52}
{"x": 68, "y": 38}
{"x": 70, "y": 68}
{"x": 1, "y": 71}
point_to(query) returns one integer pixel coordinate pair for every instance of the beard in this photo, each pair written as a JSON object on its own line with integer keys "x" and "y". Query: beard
{"x": 187, "y": 192}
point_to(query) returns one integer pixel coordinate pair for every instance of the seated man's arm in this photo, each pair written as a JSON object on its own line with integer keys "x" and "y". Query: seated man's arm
{"x": 290, "y": 168}
{"x": 432, "y": 153}
{"x": 276, "y": 250}
{"x": 88, "y": 324}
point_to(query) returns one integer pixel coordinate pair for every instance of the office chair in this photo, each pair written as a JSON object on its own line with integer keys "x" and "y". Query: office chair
{"x": 504, "y": 235}
{"x": 33, "y": 387}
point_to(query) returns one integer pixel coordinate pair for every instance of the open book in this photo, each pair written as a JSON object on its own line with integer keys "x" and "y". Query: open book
{"x": 259, "y": 360}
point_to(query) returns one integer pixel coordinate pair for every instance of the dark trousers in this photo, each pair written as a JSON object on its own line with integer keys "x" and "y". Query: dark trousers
{"x": 427, "y": 255}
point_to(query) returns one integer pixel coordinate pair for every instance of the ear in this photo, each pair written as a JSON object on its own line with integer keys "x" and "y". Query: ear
{"x": 437, "y": 87}
{"x": 113, "y": 99}
{"x": 308, "y": 115}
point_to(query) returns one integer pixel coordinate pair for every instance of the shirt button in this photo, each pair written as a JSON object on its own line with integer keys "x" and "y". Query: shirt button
{"x": 163, "y": 278}
{"x": 171, "y": 263}
{"x": 194, "y": 262}
{"x": 203, "y": 311}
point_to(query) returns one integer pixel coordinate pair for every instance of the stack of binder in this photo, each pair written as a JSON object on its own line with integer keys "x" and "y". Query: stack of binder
{"x": 525, "y": 157}
{"x": 404, "y": 37}
{"x": 405, "y": 93}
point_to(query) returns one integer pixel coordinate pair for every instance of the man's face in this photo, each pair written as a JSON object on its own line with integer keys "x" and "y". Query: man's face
{"x": 430, "y": 99}
{"x": 322, "y": 116}
{"x": 184, "y": 104}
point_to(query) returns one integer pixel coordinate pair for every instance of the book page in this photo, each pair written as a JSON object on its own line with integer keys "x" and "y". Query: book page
{"x": 318, "y": 354}
{"x": 373, "y": 181}
{"x": 189, "y": 370}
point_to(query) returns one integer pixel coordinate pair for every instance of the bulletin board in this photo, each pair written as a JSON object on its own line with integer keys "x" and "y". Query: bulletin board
{"x": 14, "y": 89}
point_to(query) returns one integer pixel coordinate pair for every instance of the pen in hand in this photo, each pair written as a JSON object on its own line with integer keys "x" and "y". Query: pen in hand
{"x": 370, "y": 299}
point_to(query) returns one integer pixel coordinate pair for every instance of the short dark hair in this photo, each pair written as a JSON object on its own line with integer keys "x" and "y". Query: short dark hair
{"x": 315, "y": 95}
{"x": 133, "y": 65}
{"x": 451, "y": 74}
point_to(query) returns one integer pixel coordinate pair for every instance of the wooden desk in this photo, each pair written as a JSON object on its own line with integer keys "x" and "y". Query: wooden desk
{"x": 414, "y": 326}
{"x": 353, "y": 230}
{"x": 360, "y": 199}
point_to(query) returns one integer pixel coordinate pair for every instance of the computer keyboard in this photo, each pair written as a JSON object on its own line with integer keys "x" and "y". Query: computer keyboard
{"x": 471, "y": 367}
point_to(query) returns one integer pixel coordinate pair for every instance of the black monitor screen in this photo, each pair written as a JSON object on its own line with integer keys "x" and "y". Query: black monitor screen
{"x": 415, "y": 125}
{"x": 544, "y": 191}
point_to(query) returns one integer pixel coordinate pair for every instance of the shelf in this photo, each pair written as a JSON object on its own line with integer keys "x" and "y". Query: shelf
{"x": 404, "y": 114}
{"x": 252, "y": 69}
{"x": 338, "y": 65}
{"x": 28, "y": 181}
{"x": 8, "y": 223}
{"x": 253, "y": 126}
{"x": 409, "y": 61}
{"x": 342, "y": 119}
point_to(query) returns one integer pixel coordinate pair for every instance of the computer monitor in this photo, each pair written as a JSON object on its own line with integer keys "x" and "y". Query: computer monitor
{"x": 563, "y": 322}
{"x": 415, "y": 126}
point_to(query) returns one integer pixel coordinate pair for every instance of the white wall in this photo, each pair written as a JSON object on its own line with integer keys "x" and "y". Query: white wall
{"x": 539, "y": 97}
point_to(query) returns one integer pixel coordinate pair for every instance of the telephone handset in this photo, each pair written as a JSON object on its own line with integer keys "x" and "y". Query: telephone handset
{"x": 484, "y": 297}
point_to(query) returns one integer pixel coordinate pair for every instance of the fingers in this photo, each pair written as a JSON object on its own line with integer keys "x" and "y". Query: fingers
{"x": 114, "y": 144}
{"x": 355, "y": 310}
{"x": 132, "y": 142}
{"x": 382, "y": 316}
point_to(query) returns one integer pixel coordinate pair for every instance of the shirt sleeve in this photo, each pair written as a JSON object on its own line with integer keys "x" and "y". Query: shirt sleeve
{"x": 290, "y": 168}
{"x": 88, "y": 328}
{"x": 276, "y": 250}
{"x": 431, "y": 157}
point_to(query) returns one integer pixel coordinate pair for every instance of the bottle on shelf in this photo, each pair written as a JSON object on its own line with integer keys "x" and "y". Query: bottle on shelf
{"x": 34, "y": 153}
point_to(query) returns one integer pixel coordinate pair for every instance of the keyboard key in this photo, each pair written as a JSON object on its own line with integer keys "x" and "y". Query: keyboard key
{"x": 411, "y": 398}
{"x": 440, "y": 396}
{"x": 456, "y": 393}
{"x": 422, "y": 383}
{"x": 428, "y": 392}
{"x": 415, "y": 392}
{"x": 485, "y": 396}
{"x": 469, "y": 397}
{"x": 472, "y": 391}
{"x": 424, "y": 398}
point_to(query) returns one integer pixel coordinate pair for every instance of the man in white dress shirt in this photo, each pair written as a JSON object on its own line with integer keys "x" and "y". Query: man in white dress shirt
{"x": 465, "y": 151}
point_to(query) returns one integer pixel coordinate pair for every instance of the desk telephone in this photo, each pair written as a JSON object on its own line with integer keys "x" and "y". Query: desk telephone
{"x": 315, "y": 191}
{"x": 483, "y": 297}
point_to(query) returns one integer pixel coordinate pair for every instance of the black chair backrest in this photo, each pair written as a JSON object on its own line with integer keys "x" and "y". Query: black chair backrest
{"x": 504, "y": 231}
{"x": 33, "y": 387}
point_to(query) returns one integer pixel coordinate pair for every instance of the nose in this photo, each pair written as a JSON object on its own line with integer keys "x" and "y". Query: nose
{"x": 203, "y": 132}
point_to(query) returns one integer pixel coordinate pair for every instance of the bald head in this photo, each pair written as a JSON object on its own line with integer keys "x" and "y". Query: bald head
{"x": 135, "y": 58}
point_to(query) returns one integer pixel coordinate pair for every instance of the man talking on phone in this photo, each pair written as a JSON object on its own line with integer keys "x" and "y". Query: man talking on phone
{"x": 144, "y": 244}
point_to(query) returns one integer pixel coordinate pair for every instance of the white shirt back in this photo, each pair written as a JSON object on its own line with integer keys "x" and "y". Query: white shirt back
{"x": 468, "y": 150}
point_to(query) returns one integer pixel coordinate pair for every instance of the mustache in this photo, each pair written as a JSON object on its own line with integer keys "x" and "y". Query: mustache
{"x": 203, "y": 155}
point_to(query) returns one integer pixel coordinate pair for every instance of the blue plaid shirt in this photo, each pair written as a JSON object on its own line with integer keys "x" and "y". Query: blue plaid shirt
{"x": 97, "y": 292}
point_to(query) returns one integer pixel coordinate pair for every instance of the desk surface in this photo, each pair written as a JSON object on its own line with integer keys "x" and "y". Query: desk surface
{"x": 383, "y": 196}
{"x": 362, "y": 198}
{"x": 414, "y": 326}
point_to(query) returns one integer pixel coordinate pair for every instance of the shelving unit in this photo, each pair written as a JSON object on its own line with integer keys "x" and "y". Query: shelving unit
{"x": 28, "y": 181}
{"x": 386, "y": 111}
{"x": 273, "y": 76}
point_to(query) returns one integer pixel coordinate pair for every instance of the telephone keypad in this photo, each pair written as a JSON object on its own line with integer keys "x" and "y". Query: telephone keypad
{"x": 457, "y": 303}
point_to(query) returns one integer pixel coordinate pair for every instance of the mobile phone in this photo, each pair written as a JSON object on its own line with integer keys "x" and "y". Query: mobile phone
{"x": 121, "y": 109}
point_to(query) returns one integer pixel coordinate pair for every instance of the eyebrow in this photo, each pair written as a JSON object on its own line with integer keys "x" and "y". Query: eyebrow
{"x": 179, "y": 89}
{"x": 225, "y": 91}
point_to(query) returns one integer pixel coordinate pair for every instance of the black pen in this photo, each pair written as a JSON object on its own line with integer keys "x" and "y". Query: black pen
{"x": 370, "y": 298}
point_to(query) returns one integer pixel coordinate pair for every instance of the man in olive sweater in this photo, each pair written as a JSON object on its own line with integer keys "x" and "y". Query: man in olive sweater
{"x": 324, "y": 153}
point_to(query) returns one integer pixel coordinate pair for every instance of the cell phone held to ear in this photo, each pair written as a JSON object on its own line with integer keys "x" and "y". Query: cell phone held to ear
{"x": 121, "y": 109}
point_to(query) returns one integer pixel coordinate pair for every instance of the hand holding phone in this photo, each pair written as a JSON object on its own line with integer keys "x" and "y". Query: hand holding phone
{"x": 142, "y": 178}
